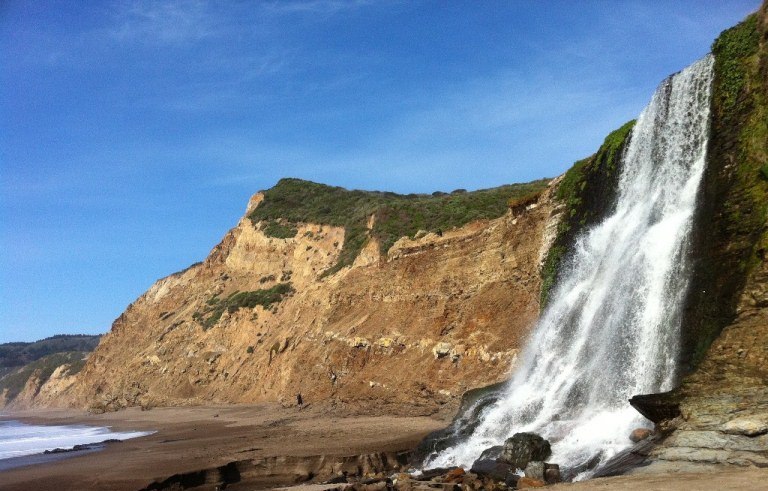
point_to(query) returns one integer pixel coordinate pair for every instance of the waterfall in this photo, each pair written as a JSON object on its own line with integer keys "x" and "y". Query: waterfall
{"x": 611, "y": 329}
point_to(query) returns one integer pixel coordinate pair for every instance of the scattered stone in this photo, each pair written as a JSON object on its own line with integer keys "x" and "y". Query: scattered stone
{"x": 523, "y": 448}
{"x": 494, "y": 469}
{"x": 527, "y": 482}
{"x": 535, "y": 470}
{"x": 639, "y": 434}
{"x": 441, "y": 350}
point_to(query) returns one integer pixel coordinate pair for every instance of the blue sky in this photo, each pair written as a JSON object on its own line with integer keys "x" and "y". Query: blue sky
{"x": 132, "y": 133}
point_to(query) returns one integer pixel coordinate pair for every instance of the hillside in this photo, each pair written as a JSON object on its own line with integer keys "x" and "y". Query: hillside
{"x": 17, "y": 354}
{"x": 26, "y": 367}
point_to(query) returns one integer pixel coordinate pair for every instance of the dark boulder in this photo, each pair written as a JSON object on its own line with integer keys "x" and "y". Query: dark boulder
{"x": 657, "y": 407}
{"x": 523, "y": 448}
{"x": 493, "y": 469}
{"x": 491, "y": 453}
{"x": 552, "y": 473}
{"x": 512, "y": 480}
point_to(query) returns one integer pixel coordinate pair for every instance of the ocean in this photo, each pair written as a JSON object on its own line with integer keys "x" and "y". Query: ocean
{"x": 19, "y": 439}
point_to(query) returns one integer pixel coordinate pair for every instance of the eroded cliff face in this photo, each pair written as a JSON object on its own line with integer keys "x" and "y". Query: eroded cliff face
{"x": 409, "y": 332}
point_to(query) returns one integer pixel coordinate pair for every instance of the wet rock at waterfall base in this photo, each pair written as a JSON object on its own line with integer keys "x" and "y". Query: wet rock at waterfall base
{"x": 523, "y": 448}
{"x": 552, "y": 473}
{"x": 512, "y": 480}
{"x": 494, "y": 469}
{"x": 657, "y": 407}
{"x": 639, "y": 434}
{"x": 535, "y": 470}
{"x": 491, "y": 453}
{"x": 633, "y": 457}
{"x": 428, "y": 474}
{"x": 569, "y": 473}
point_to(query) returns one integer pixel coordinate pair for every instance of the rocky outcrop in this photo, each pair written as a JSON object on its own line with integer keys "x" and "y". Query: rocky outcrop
{"x": 261, "y": 319}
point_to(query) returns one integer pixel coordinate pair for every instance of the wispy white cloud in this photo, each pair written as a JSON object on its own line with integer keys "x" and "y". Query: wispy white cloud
{"x": 318, "y": 7}
{"x": 162, "y": 22}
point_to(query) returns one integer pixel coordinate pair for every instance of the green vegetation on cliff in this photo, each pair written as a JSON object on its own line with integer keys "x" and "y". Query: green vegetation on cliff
{"x": 588, "y": 192}
{"x": 14, "y": 355}
{"x": 741, "y": 101}
{"x": 730, "y": 237}
{"x": 294, "y": 201}
{"x": 41, "y": 368}
{"x": 215, "y": 307}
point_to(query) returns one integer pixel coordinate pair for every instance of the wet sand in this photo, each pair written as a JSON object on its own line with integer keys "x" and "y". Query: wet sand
{"x": 189, "y": 439}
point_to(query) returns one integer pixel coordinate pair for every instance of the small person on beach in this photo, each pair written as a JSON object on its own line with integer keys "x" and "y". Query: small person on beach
{"x": 299, "y": 400}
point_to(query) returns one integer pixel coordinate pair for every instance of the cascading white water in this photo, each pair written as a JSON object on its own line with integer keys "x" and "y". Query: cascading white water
{"x": 612, "y": 325}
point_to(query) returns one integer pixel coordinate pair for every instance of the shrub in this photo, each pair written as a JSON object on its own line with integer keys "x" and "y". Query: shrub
{"x": 277, "y": 229}
{"x": 241, "y": 300}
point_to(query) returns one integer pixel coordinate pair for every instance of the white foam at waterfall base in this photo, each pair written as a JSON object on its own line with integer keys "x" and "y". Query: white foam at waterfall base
{"x": 611, "y": 329}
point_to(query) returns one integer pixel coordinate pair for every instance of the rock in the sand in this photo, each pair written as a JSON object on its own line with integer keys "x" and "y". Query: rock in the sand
{"x": 523, "y": 448}
{"x": 552, "y": 473}
{"x": 535, "y": 470}
{"x": 639, "y": 434}
{"x": 527, "y": 482}
{"x": 494, "y": 469}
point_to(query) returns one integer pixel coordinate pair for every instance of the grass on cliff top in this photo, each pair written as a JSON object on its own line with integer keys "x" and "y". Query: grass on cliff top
{"x": 570, "y": 189}
{"x": 215, "y": 307}
{"x": 19, "y": 354}
{"x": 293, "y": 201}
{"x": 15, "y": 381}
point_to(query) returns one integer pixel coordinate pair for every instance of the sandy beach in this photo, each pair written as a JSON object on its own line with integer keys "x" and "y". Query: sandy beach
{"x": 285, "y": 445}
{"x": 268, "y": 446}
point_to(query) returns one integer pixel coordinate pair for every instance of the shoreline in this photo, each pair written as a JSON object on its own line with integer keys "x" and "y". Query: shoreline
{"x": 283, "y": 445}
{"x": 44, "y": 458}
{"x": 47, "y": 440}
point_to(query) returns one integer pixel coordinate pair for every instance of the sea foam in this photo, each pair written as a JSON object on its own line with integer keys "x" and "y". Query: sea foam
{"x": 20, "y": 439}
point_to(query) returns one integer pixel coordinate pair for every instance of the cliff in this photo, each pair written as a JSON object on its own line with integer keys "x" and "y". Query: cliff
{"x": 277, "y": 308}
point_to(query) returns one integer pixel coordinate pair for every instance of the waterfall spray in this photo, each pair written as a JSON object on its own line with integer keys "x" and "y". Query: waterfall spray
{"x": 611, "y": 329}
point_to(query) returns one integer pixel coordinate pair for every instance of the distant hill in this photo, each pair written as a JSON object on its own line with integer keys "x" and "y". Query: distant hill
{"x": 14, "y": 355}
